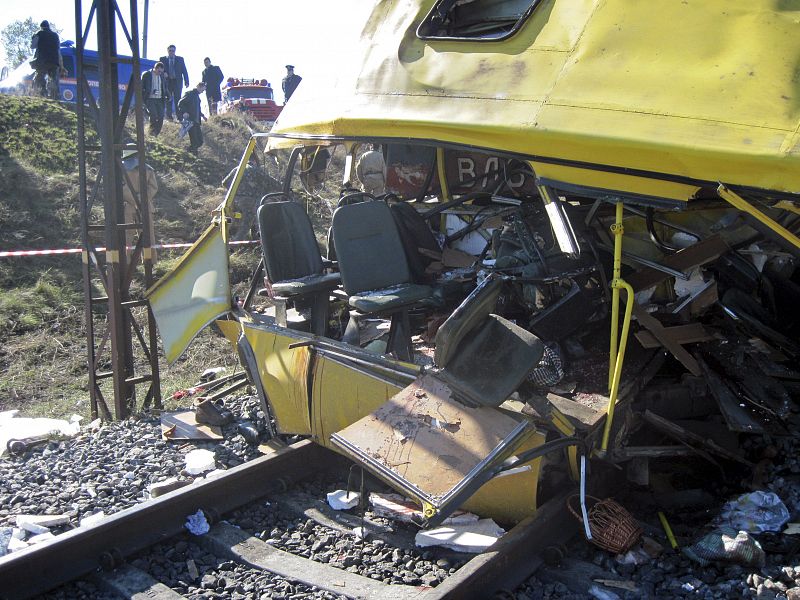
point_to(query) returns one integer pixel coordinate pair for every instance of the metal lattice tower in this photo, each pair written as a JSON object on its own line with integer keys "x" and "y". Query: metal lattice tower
{"x": 113, "y": 318}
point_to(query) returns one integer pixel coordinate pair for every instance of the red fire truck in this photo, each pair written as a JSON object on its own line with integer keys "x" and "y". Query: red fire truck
{"x": 251, "y": 95}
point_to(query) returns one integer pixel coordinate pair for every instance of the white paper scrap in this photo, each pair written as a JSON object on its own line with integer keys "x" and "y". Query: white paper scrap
{"x": 471, "y": 537}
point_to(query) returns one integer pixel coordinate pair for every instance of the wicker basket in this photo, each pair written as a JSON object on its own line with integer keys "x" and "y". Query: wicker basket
{"x": 613, "y": 528}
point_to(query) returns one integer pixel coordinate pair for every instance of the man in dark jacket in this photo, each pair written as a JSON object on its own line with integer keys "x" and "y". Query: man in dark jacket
{"x": 290, "y": 83}
{"x": 212, "y": 77}
{"x": 189, "y": 109}
{"x": 47, "y": 59}
{"x": 177, "y": 77}
{"x": 155, "y": 93}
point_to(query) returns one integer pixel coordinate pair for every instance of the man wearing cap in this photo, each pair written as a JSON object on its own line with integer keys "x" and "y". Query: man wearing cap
{"x": 177, "y": 77}
{"x": 290, "y": 83}
{"x": 47, "y": 59}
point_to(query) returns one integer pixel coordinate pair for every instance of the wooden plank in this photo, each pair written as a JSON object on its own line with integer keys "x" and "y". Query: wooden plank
{"x": 232, "y": 542}
{"x": 666, "y": 339}
{"x": 582, "y": 417}
{"x": 701, "y": 253}
{"x": 631, "y": 452}
{"x": 737, "y": 418}
{"x": 687, "y": 437}
{"x": 130, "y": 582}
{"x": 690, "y": 333}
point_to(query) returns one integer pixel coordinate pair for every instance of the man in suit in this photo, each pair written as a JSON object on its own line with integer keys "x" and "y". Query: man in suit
{"x": 47, "y": 60}
{"x": 212, "y": 77}
{"x": 189, "y": 109}
{"x": 177, "y": 77}
{"x": 155, "y": 92}
{"x": 290, "y": 83}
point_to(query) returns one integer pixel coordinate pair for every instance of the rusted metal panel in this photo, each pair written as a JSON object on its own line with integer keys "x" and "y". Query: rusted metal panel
{"x": 429, "y": 445}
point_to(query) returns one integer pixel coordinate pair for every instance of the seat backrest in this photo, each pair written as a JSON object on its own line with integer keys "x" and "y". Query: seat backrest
{"x": 368, "y": 247}
{"x": 287, "y": 241}
{"x": 415, "y": 234}
{"x": 483, "y": 356}
{"x": 470, "y": 314}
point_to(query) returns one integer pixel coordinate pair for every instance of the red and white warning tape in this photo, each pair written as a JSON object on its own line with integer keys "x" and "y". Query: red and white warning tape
{"x": 13, "y": 253}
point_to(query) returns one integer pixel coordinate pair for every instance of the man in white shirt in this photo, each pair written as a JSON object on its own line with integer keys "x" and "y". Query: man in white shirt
{"x": 155, "y": 94}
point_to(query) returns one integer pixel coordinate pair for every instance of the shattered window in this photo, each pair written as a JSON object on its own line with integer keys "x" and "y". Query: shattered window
{"x": 475, "y": 19}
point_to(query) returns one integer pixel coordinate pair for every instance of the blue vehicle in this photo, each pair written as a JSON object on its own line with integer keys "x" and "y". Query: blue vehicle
{"x": 20, "y": 80}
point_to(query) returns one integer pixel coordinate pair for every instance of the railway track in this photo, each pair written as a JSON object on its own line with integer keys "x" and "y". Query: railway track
{"x": 102, "y": 551}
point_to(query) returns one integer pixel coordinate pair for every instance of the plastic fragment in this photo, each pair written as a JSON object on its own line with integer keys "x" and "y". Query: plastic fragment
{"x": 755, "y": 512}
{"x": 343, "y": 500}
{"x": 42, "y": 537}
{"x": 197, "y": 523}
{"x": 470, "y": 537}
{"x": 600, "y": 593}
{"x": 43, "y": 520}
{"x": 727, "y": 546}
{"x": 94, "y": 519}
{"x": 199, "y": 461}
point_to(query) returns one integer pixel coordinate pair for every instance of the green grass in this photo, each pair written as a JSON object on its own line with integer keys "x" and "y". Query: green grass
{"x": 44, "y": 305}
{"x": 42, "y": 333}
{"x": 41, "y": 132}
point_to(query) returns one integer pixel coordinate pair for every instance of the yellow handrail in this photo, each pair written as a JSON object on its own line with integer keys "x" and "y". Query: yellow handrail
{"x": 617, "y": 354}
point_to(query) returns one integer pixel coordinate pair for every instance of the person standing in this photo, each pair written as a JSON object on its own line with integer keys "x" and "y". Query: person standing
{"x": 371, "y": 171}
{"x": 212, "y": 77}
{"x": 155, "y": 93}
{"x": 130, "y": 194}
{"x": 189, "y": 109}
{"x": 47, "y": 59}
{"x": 177, "y": 77}
{"x": 290, "y": 83}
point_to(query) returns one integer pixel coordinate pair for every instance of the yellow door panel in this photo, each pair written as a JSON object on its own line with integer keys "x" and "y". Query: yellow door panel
{"x": 284, "y": 374}
{"x": 230, "y": 329}
{"x": 193, "y": 294}
{"x": 510, "y": 498}
{"x": 343, "y": 395}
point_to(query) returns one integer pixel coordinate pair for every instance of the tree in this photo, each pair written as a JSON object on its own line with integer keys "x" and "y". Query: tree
{"x": 16, "y": 40}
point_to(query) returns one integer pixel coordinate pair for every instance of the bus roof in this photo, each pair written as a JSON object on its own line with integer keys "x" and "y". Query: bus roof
{"x": 593, "y": 90}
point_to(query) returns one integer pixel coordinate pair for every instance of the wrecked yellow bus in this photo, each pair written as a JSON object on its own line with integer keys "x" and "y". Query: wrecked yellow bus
{"x": 557, "y": 177}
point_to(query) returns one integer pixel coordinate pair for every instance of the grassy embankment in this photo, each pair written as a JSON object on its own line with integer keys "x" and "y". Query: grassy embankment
{"x": 42, "y": 335}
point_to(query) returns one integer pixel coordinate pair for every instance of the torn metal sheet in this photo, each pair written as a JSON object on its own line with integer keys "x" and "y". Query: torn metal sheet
{"x": 736, "y": 416}
{"x": 430, "y": 446}
{"x": 181, "y": 425}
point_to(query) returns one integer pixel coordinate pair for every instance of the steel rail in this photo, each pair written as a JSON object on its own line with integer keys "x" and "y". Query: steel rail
{"x": 73, "y": 554}
{"x": 77, "y": 553}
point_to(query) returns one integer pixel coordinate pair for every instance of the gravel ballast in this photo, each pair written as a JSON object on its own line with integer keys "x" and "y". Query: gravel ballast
{"x": 108, "y": 468}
